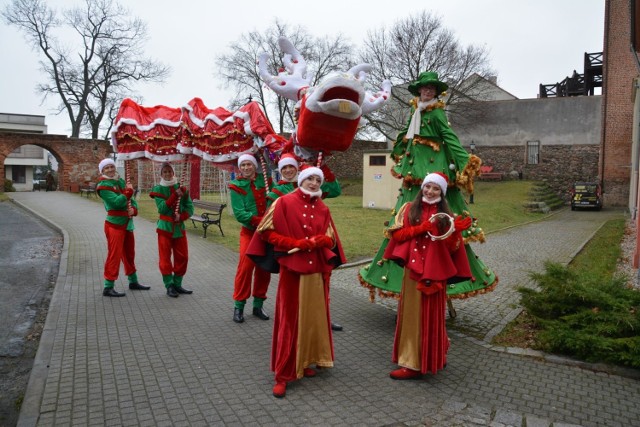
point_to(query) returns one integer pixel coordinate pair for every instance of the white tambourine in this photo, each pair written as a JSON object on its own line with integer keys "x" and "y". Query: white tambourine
{"x": 448, "y": 233}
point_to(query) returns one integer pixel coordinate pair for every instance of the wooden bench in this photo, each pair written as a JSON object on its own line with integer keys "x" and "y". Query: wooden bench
{"x": 88, "y": 189}
{"x": 210, "y": 213}
{"x": 487, "y": 174}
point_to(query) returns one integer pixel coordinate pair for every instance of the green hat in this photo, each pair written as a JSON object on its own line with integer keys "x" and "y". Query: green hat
{"x": 425, "y": 79}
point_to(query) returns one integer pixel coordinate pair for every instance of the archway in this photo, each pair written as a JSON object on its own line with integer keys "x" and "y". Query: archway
{"x": 77, "y": 158}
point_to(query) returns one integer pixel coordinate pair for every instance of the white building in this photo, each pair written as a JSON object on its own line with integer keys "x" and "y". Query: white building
{"x": 28, "y": 163}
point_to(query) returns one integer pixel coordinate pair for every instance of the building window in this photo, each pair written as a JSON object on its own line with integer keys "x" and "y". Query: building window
{"x": 533, "y": 152}
{"x": 377, "y": 160}
{"x": 19, "y": 174}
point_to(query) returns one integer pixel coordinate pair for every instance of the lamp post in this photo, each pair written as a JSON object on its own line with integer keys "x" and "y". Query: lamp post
{"x": 472, "y": 147}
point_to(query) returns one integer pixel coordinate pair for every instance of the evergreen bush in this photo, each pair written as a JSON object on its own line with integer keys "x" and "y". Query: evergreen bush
{"x": 585, "y": 316}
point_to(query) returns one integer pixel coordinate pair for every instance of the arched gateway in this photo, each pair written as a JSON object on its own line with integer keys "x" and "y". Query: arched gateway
{"x": 77, "y": 158}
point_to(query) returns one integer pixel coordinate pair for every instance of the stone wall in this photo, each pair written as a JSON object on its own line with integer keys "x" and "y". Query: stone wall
{"x": 348, "y": 164}
{"x": 559, "y": 165}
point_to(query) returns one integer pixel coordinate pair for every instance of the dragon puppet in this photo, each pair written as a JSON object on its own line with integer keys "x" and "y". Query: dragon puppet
{"x": 329, "y": 115}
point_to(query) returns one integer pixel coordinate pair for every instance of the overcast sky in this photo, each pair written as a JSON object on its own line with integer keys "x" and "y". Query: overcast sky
{"x": 530, "y": 42}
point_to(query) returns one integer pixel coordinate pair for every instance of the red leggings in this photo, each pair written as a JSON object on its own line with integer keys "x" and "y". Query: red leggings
{"x": 180, "y": 250}
{"x": 246, "y": 269}
{"x": 121, "y": 246}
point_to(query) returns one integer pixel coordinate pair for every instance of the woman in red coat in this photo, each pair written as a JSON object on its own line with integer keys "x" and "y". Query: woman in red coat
{"x": 432, "y": 253}
{"x": 299, "y": 233}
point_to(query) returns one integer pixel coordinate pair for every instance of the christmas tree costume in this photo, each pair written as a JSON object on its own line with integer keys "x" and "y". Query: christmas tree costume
{"x": 434, "y": 147}
{"x": 172, "y": 236}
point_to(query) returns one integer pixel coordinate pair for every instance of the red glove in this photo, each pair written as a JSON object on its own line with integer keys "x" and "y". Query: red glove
{"x": 279, "y": 240}
{"x": 425, "y": 227}
{"x": 406, "y": 233}
{"x": 305, "y": 244}
{"x": 128, "y": 192}
{"x": 322, "y": 241}
{"x": 462, "y": 223}
{"x": 255, "y": 220}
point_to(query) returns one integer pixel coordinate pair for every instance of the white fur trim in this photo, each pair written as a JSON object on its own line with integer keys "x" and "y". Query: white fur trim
{"x": 249, "y": 157}
{"x": 287, "y": 161}
{"x": 104, "y": 163}
{"x": 436, "y": 179}
{"x": 307, "y": 172}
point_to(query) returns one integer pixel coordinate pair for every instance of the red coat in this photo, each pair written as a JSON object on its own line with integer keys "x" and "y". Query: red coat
{"x": 427, "y": 259}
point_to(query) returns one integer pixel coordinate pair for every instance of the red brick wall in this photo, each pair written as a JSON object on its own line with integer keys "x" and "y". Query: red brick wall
{"x": 619, "y": 70}
{"x": 77, "y": 158}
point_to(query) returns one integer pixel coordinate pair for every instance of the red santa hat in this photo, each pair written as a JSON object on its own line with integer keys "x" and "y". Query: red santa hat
{"x": 104, "y": 163}
{"x": 249, "y": 157}
{"x": 438, "y": 179}
{"x": 287, "y": 160}
{"x": 307, "y": 171}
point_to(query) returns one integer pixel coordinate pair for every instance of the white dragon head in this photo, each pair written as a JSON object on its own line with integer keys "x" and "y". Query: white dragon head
{"x": 330, "y": 111}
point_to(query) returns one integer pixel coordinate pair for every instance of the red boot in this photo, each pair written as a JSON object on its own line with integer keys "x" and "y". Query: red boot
{"x": 280, "y": 389}
{"x": 309, "y": 372}
{"x": 405, "y": 374}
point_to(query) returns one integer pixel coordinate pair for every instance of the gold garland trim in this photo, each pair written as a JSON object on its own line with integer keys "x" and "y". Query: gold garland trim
{"x": 465, "y": 178}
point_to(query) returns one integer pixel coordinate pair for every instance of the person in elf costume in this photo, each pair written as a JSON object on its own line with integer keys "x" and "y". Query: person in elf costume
{"x": 118, "y": 228}
{"x": 298, "y": 232}
{"x": 288, "y": 168}
{"x": 172, "y": 236}
{"x": 426, "y": 145}
{"x": 249, "y": 203}
{"x": 432, "y": 254}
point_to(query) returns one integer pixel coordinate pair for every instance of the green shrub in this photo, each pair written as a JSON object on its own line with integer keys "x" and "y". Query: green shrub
{"x": 585, "y": 316}
{"x": 8, "y": 186}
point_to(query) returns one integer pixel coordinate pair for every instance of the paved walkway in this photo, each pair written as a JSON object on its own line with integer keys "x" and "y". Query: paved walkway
{"x": 150, "y": 360}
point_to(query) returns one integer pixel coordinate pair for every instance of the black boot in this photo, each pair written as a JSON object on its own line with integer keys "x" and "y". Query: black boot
{"x": 238, "y": 315}
{"x": 138, "y": 287}
{"x": 260, "y": 313}
{"x": 336, "y": 327}
{"x": 110, "y": 292}
{"x": 171, "y": 291}
{"x": 182, "y": 290}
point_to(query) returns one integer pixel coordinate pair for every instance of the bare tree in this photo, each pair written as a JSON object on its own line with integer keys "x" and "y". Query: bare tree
{"x": 94, "y": 77}
{"x": 238, "y": 69}
{"x": 416, "y": 44}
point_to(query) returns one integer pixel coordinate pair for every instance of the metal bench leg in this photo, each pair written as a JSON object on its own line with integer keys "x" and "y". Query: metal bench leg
{"x": 205, "y": 226}
{"x": 220, "y": 227}
{"x": 452, "y": 311}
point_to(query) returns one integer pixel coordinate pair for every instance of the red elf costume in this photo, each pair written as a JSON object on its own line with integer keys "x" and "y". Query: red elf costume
{"x": 298, "y": 232}
{"x": 172, "y": 236}
{"x": 421, "y": 343}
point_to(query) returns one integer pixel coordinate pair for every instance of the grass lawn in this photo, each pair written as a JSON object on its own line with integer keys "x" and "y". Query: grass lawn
{"x": 497, "y": 205}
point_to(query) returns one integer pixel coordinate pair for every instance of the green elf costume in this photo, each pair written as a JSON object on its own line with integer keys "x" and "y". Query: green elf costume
{"x": 426, "y": 145}
{"x": 330, "y": 187}
{"x": 118, "y": 228}
{"x": 172, "y": 236}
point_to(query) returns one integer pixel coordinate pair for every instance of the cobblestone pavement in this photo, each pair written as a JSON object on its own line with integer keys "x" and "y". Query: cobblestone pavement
{"x": 151, "y": 360}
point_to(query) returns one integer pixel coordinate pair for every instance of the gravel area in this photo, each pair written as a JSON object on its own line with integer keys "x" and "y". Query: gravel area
{"x": 628, "y": 245}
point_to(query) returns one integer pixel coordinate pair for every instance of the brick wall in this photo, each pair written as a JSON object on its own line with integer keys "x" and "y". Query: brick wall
{"x": 77, "y": 158}
{"x": 619, "y": 70}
